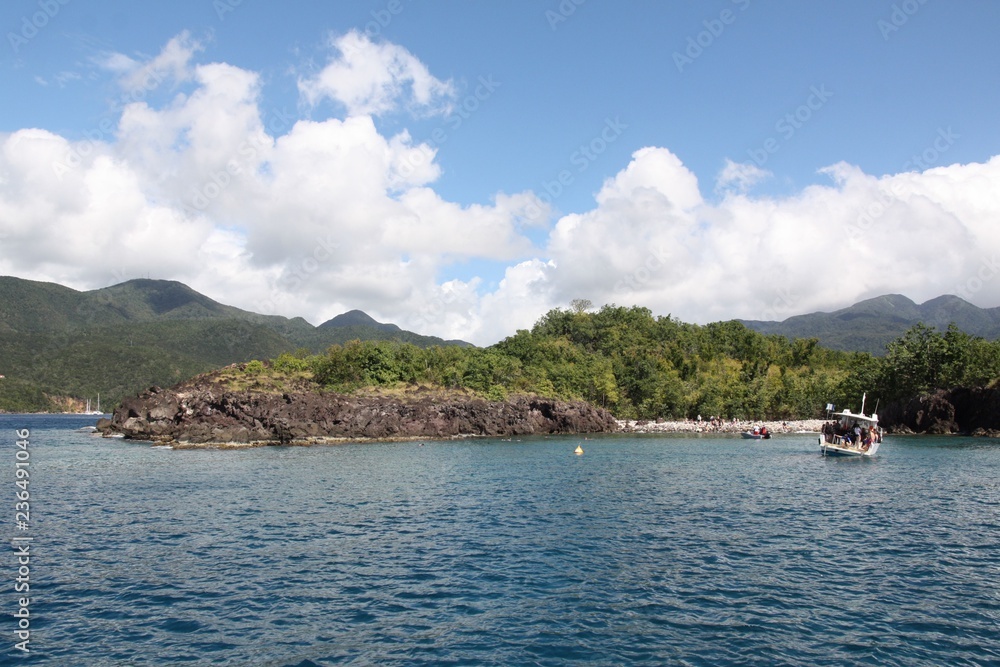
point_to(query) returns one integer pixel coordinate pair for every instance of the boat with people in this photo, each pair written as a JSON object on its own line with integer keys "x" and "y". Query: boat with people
{"x": 759, "y": 433}
{"x": 851, "y": 434}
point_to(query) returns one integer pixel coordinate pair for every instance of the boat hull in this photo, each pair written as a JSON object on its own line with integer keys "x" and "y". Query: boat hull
{"x": 828, "y": 449}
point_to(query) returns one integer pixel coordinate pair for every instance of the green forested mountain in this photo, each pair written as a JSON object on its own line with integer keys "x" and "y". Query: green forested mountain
{"x": 870, "y": 325}
{"x": 57, "y": 342}
{"x": 60, "y": 342}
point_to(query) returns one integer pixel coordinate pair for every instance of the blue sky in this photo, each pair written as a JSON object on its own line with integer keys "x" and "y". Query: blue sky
{"x": 743, "y": 109}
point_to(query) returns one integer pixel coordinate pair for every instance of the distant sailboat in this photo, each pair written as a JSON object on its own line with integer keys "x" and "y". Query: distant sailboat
{"x": 88, "y": 411}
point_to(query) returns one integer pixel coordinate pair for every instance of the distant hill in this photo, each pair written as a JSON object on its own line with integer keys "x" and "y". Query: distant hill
{"x": 60, "y": 342}
{"x": 870, "y": 325}
{"x": 356, "y": 324}
{"x": 356, "y": 318}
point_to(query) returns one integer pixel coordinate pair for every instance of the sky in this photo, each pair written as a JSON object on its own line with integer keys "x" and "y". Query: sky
{"x": 461, "y": 168}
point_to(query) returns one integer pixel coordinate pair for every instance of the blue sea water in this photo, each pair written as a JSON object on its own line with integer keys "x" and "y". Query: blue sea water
{"x": 642, "y": 551}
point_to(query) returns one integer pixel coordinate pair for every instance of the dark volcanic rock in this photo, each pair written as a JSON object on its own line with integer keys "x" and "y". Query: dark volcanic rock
{"x": 930, "y": 413}
{"x": 977, "y": 409}
{"x": 205, "y": 412}
{"x": 973, "y": 411}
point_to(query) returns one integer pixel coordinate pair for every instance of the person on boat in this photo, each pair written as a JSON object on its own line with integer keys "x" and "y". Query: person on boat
{"x": 763, "y": 431}
{"x": 857, "y": 434}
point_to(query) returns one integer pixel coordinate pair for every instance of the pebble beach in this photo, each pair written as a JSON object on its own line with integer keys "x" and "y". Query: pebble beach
{"x": 695, "y": 426}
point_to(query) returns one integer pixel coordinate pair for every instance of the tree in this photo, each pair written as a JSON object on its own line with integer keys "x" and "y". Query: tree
{"x": 913, "y": 363}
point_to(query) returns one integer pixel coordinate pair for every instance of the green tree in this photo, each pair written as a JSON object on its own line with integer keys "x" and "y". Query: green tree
{"x": 913, "y": 363}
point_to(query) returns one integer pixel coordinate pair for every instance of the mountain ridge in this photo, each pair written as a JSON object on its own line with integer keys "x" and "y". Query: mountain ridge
{"x": 144, "y": 300}
{"x": 58, "y": 342}
{"x": 869, "y": 325}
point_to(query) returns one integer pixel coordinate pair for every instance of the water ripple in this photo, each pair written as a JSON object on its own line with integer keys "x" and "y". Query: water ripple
{"x": 644, "y": 551}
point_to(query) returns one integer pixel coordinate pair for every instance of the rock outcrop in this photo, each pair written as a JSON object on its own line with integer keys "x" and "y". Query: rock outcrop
{"x": 204, "y": 412}
{"x": 973, "y": 411}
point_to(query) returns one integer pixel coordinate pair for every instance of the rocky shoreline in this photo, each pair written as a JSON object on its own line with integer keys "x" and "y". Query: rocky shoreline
{"x": 213, "y": 410}
{"x": 205, "y": 412}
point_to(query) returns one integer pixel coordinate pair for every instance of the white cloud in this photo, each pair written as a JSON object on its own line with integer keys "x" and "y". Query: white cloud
{"x": 524, "y": 294}
{"x": 172, "y": 63}
{"x": 651, "y": 240}
{"x": 371, "y": 78}
{"x": 251, "y": 206}
{"x": 264, "y": 211}
{"x": 739, "y": 177}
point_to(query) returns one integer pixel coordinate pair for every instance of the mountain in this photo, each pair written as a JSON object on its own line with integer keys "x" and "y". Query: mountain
{"x": 356, "y": 318}
{"x": 355, "y": 324}
{"x": 868, "y": 326}
{"x": 56, "y": 341}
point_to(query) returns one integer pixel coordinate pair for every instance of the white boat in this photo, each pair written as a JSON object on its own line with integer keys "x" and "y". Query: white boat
{"x": 841, "y": 437}
{"x": 88, "y": 411}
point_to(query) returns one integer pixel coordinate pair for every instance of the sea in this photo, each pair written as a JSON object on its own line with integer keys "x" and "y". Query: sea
{"x": 643, "y": 550}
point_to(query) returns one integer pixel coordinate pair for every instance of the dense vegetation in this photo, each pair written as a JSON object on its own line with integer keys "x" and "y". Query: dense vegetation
{"x": 57, "y": 343}
{"x": 60, "y": 347}
{"x": 640, "y": 366}
{"x": 924, "y": 359}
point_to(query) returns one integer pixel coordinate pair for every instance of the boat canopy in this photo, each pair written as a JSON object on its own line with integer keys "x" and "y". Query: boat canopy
{"x": 847, "y": 415}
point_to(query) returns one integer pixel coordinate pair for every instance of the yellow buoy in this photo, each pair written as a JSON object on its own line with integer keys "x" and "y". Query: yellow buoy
{"x": 579, "y": 449}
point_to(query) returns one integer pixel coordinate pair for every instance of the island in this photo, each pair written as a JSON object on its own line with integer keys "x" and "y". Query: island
{"x": 214, "y": 409}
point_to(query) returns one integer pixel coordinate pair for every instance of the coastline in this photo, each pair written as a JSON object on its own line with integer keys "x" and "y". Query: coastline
{"x": 695, "y": 426}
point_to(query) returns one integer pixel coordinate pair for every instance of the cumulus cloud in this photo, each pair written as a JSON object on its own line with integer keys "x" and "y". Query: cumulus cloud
{"x": 652, "y": 240}
{"x": 371, "y": 78}
{"x": 260, "y": 209}
{"x": 255, "y": 208}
